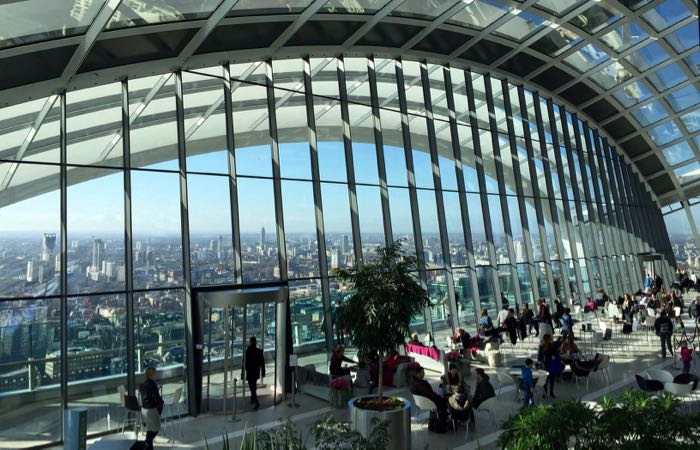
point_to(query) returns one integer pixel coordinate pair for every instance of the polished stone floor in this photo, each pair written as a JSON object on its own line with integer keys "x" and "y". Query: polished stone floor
{"x": 640, "y": 353}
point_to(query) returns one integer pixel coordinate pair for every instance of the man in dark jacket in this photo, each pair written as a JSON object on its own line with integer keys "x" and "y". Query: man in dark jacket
{"x": 151, "y": 406}
{"x": 664, "y": 330}
{"x": 254, "y": 369}
{"x": 484, "y": 390}
{"x": 694, "y": 310}
{"x": 423, "y": 388}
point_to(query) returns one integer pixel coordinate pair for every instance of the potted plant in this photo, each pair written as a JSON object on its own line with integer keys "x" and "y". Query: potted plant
{"x": 377, "y": 316}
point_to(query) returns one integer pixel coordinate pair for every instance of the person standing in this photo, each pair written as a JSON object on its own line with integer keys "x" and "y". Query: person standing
{"x": 151, "y": 406}
{"x": 686, "y": 356}
{"x": 254, "y": 369}
{"x": 694, "y": 310}
{"x": 527, "y": 384}
{"x": 664, "y": 330}
{"x": 526, "y": 316}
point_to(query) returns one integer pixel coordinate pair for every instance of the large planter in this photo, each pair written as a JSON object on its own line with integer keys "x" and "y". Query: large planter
{"x": 399, "y": 423}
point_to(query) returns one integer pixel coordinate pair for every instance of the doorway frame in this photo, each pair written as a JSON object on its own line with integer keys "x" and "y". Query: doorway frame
{"x": 239, "y": 295}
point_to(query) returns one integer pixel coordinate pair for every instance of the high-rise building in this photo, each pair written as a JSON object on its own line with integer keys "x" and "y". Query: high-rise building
{"x": 262, "y": 239}
{"x": 48, "y": 246}
{"x": 345, "y": 243}
{"x": 98, "y": 254}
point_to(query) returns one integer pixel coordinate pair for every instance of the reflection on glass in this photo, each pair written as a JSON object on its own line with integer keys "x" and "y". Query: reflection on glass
{"x": 337, "y": 227}
{"x": 401, "y": 221}
{"x": 95, "y": 230}
{"x": 586, "y": 58}
{"x": 526, "y": 294}
{"x": 157, "y": 238}
{"x": 632, "y": 94}
{"x": 422, "y": 9}
{"x": 306, "y": 307}
{"x": 624, "y": 36}
{"x": 463, "y": 279}
{"x": 596, "y": 17}
{"x": 520, "y": 27}
{"x": 432, "y": 246}
{"x": 683, "y": 98}
{"x": 355, "y": 7}
{"x": 30, "y": 227}
{"x": 666, "y": 14}
{"x": 132, "y": 13}
{"x": 666, "y": 78}
{"x": 369, "y": 210}
{"x": 36, "y": 20}
{"x": 160, "y": 331}
{"x": 665, "y": 133}
{"x": 258, "y": 230}
{"x": 647, "y": 57}
{"x": 439, "y": 298}
{"x": 611, "y": 75}
{"x": 211, "y": 245}
{"x": 649, "y": 113}
{"x": 487, "y": 294}
{"x": 247, "y": 7}
{"x": 479, "y": 14}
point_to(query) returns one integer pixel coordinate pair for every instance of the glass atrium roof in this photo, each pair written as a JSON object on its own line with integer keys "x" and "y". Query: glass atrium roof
{"x": 630, "y": 66}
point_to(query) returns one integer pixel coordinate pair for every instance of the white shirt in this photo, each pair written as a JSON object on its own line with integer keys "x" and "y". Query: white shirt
{"x": 502, "y": 315}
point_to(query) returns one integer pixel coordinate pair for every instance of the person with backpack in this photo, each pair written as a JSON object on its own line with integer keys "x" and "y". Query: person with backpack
{"x": 664, "y": 330}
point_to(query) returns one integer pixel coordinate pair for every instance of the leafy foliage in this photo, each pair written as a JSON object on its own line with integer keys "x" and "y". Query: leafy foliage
{"x": 635, "y": 420}
{"x": 386, "y": 297}
{"x": 331, "y": 434}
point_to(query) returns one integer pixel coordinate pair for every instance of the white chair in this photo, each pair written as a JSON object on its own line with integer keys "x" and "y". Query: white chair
{"x": 172, "y": 408}
{"x": 504, "y": 380}
{"x": 680, "y": 390}
{"x": 659, "y": 375}
{"x": 425, "y": 404}
{"x": 488, "y": 406}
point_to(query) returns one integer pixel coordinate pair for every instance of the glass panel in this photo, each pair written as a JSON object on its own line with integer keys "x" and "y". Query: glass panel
{"x": 683, "y": 98}
{"x": 476, "y": 222}
{"x": 526, "y": 294}
{"x": 586, "y": 58}
{"x": 160, "y": 334}
{"x": 422, "y": 9}
{"x": 146, "y": 12}
{"x": 691, "y": 121}
{"x": 684, "y": 38}
{"x": 688, "y": 173}
{"x": 596, "y": 17}
{"x": 632, "y": 94}
{"x": 542, "y": 281}
{"x": 205, "y": 124}
{"x": 666, "y": 14}
{"x": 254, "y": 7}
{"x": 97, "y": 354}
{"x": 693, "y": 62}
{"x": 516, "y": 229}
{"x": 455, "y": 234}
{"x": 650, "y": 113}
{"x": 258, "y": 230}
{"x": 479, "y": 14}
{"x": 558, "y": 7}
{"x": 154, "y": 129}
{"x": 337, "y": 226}
{"x": 556, "y": 42}
{"x": 557, "y": 273}
{"x": 16, "y": 124}
{"x": 401, "y": 222}
{"x": 665, "y": 133}
{"x": 463, "y": 279}
{"x": 251, "y": 134}
{"x": 300, "y": 229}
{"x": 369, "y": 210}
{"x": 520, "y": 27}
{"x": 331, "y": 152}
{"x": 665, "y": 78}
{"x": 29, "y": 231}
{"x": 307, "y": 315}
{"x": 94, "y": 123}
{"x": 211, "y": 245}
{"x": 506, "y": 283}
{"x": 356, "y": 7}
{"x": 155, "y": 213}
{"x": 533, "y": 230}
{"x": 440, "y": 310}
{"x": 487, "y": 294}
{"x": 571, "y": 275}
{"x": 29, "y": 329}
{"x": 624, "y": 36}
{"x": 36, "y": 20}
{"x": 499, "y": 234}
{"x": 422, "y": 162}
{"x": 432, "y": 247}
{"x": 647, "y": 57}
{"x": 95, "y": 230}
{"x": 364, "y": 151}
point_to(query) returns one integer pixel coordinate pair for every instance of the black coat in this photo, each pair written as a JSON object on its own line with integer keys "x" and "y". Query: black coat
{"x": 150, "y": 395}
{"x": 254, "y": 363}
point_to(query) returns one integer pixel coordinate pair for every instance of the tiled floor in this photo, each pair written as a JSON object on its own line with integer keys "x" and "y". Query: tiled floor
{"x": 191, "y": 432}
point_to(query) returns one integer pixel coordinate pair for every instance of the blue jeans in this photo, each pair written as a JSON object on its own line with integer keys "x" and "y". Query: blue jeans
{"x": 686, "y": 367}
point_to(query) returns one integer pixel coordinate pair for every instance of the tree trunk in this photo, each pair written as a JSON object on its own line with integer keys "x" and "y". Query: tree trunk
{"x": 380, "y": 377}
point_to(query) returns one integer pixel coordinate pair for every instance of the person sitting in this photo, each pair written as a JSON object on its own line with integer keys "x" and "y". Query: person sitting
{"x": 462, "y": 408}
{"x": 337, "y": 359}
{"x": 589, "y": 365}
{"x": 462, "y": 337}
{"x": 590, "y": 305}
{"x": 486, "y": 328}
{"x": 569, "y": 347}
{"x": 453, "y": 381}
{"x": 415, "y": 340}
{"x": 423, "y": 388}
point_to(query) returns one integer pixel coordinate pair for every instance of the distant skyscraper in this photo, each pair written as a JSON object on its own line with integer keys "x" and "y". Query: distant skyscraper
{"x": 262, "y": 238}
{"x": 346, "y": 243}
{"x": 98, "y": 254}
{"x": 48, "y": 245}
{"x": 220, "y": 249}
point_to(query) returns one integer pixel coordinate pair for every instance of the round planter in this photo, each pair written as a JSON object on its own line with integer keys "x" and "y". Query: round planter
{"x": 399, "y": 422}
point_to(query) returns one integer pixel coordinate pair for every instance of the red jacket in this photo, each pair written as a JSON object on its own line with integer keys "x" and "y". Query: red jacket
{"x": 686, "y": 354}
